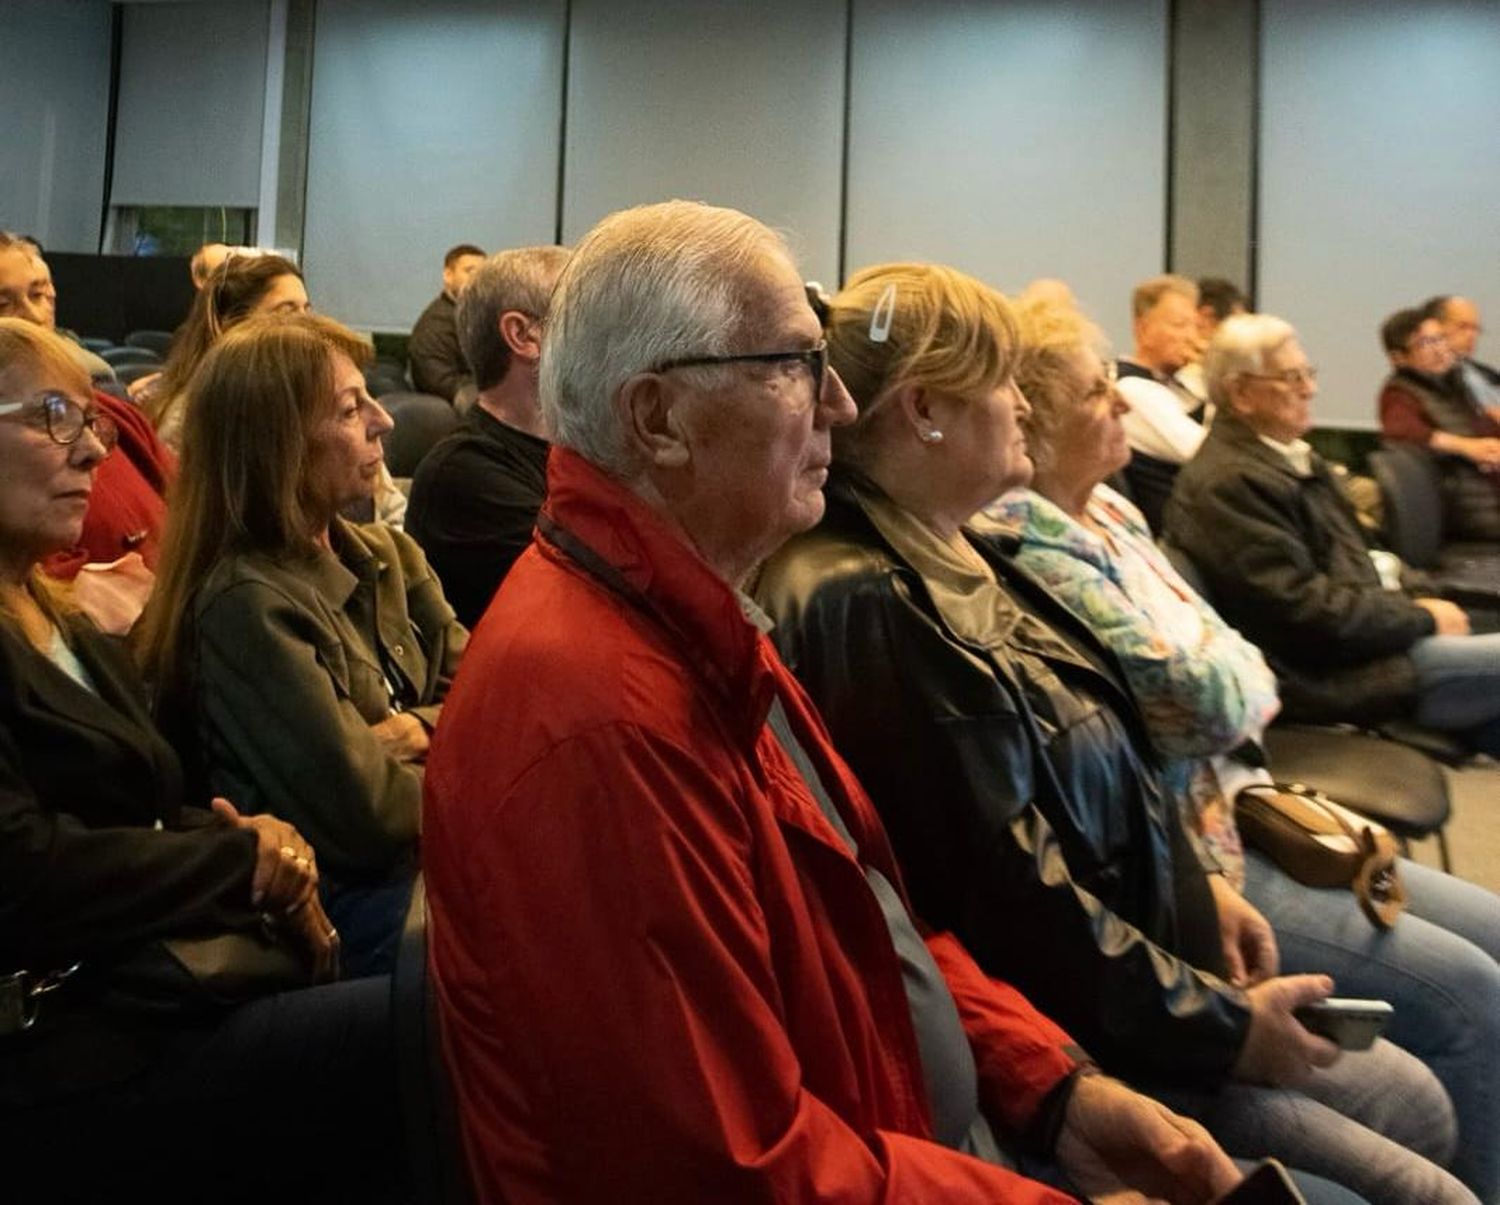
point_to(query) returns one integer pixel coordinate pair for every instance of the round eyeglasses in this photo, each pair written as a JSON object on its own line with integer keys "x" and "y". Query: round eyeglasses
{"x": 64, "y": 420}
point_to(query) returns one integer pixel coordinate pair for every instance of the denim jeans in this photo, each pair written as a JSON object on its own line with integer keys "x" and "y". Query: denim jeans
{"x": 1458, "y": 680}
{"x": 1438, "y": 969}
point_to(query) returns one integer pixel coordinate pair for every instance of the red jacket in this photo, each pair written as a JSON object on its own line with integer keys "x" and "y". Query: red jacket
{"x": 127, "y": 507}
{"x": 661, "y": 975}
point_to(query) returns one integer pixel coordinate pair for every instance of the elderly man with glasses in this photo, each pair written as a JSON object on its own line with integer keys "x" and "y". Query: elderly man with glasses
{"x": 112, "y": 564}
{"x": 1289, "y": 566}
{"x": 671, "y": 947}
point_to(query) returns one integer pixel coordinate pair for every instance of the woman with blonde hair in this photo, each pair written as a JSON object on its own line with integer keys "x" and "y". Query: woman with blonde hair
{"x": 1206, "y": 695}
{"x": 105, "y": 860}
{"x": 1013, "y": 771}
{"x": 304, "y": 656}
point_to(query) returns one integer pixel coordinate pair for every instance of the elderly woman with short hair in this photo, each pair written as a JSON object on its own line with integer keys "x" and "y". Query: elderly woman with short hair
{"x": 1009, "y": 762}
{"x": 1203, "y": 692}
{"x": 1287, "y": 563}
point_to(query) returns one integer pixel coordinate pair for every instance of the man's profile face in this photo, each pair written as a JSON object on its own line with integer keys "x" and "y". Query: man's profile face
{"x": 1165, "y": 334}
{"x": 26, "y": 290}
{"x": 457, "y": 274}
{"x": 1461, "y": 326}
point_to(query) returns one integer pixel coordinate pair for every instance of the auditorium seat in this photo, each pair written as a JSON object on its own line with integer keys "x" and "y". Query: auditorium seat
{"x": 421, "y": 420}
{"x": 428, "y": 1112}
{"x": 1415, "y": 527}
{"x": 115, "y": 356}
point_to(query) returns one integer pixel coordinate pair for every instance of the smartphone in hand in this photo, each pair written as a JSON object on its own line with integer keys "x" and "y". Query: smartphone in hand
{"x": 1267, "y": 1184}
{"x": 1350, "y": 1024}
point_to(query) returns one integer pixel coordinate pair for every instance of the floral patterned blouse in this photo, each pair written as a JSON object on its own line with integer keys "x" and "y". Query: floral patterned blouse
{"x": 1202, "y": 687}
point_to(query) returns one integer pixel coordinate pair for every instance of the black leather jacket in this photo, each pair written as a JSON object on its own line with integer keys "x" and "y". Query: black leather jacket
{"x": 1009, "y": 764}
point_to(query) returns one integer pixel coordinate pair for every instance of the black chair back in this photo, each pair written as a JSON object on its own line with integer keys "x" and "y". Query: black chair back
{"x": 115, "y": 356}
{"x": 421, "y": 420}
{"x": 1408, "y": 483}
{"x": 429, "y": 1116}
{"x": 158, "y": 341}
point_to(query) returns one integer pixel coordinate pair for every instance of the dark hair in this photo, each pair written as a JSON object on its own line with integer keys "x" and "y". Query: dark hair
{"x": 1436, "y": 307}
{"x": 1397, "y": 330}
{"x": 1222, "y": 296}
{"x": 457, "y": 253}
{"x": 228, "y": 297}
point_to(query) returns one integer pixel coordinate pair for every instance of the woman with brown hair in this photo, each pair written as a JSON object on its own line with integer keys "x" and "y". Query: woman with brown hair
{"x": 1014, "y": 775}
{"x": 305, "y": 657}
{"x": 117, "y": 1076}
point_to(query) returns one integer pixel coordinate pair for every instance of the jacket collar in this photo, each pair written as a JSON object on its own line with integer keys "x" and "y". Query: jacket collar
{"x": 611, "y": 534}
{"x": 1231, "y": 431}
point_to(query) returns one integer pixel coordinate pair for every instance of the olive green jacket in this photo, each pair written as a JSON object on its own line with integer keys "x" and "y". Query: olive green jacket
{"x": 294, "y": 661}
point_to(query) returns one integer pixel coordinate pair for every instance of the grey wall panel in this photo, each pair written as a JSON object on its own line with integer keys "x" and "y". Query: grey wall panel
{"x": 1380, "y": 175}
{"x": 192, "y": 97}
{"x": 431, "y": 125}
{"x": 716, "y": 100}
{"x": 54, "y": 92}
{"x": 1012, "y": 140}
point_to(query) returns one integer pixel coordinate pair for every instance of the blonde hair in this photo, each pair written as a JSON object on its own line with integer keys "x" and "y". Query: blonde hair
{"x": 915, "y": 324}
{"x": 1053, "y": 335}
{"x": 1148, "y": 293}
{"x": 241, "y": 481}
{"x": 25, "y": 346}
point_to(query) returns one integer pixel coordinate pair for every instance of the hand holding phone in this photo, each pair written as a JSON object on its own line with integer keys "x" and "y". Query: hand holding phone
{"x": 1267, "y": 1184}
{"x": 1351, "y": 1024}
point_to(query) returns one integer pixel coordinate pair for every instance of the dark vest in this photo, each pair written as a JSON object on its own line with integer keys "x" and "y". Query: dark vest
{"x": 1471, "y": 497}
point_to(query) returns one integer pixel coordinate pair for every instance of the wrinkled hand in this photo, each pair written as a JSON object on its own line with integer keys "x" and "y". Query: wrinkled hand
{"x": 308, "y": 925}
{"x": 1249, "y": 944}
{"x": 403, "y": 736}
{"x": 1485, "y": 452}
{"x": 286, "y": 872}
{"x": 1123, "y": 1148}
{"x": 1450, "y": 618}
{"x": 1277, "y": 1049}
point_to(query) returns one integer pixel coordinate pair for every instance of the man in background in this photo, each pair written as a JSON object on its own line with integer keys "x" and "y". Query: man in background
{"x": 437, "y": 361}
{"x": 475, "y": 496}
{"x": 1462, "y": 327}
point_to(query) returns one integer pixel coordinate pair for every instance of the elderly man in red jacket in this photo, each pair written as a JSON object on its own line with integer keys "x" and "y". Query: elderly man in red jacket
{"x": 672, "y": 953}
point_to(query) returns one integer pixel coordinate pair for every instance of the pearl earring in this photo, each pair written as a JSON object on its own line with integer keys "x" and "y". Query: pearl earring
{"x": 930, "y": 436}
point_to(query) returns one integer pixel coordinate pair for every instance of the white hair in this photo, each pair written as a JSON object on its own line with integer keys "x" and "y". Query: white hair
{"x": 1240, "y": 345}
{"x": 646, "y": 285}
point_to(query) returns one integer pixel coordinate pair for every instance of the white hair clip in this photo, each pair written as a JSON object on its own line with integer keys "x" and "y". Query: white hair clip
{"x": 885, "y": 312}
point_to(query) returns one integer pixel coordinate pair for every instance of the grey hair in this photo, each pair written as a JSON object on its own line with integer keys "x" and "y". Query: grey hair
{"x": 520, "y": 279}
{"x": 1240, "y": 345}
{"x": 646, "y": 285}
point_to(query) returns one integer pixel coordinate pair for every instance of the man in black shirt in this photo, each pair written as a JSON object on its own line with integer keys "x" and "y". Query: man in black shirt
{"x": 475, "y": 496}
{"x": 437, "y": 361}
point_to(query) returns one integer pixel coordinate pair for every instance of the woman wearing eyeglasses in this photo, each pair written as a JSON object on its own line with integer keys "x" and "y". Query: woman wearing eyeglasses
{"x": 1015, "y": 776}
{"x": 305, "y": 658}
{"x": 104, "y": 1092}
{"x": 1204, "y": 691}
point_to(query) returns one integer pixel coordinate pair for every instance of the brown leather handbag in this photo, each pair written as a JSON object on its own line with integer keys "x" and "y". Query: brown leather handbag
{"x": 1321, "y": 843}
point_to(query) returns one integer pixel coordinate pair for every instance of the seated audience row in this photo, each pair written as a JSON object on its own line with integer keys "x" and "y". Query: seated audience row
{"x": 674, "y": 955}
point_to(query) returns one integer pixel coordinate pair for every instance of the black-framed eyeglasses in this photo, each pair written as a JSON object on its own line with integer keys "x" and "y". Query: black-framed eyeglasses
{"x": 815, "y": 358}
{"x": 65, "y": 420}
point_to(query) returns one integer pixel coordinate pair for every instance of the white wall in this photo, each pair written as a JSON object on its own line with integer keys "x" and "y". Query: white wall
{"x": 715, "y": 100}
{"x": 431, "y": 125}
{"x": 1380, "y": 175}
{"x": 1013, "y": 141}
{"x": 192, "y": 98}
{"x": 54, "y": 92}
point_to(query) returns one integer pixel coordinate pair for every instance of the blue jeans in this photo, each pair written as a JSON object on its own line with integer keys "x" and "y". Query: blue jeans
{"x": 369, "y": 918}
{"x": 1437, "y": 967}
{"x": 1458, "y": 680}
